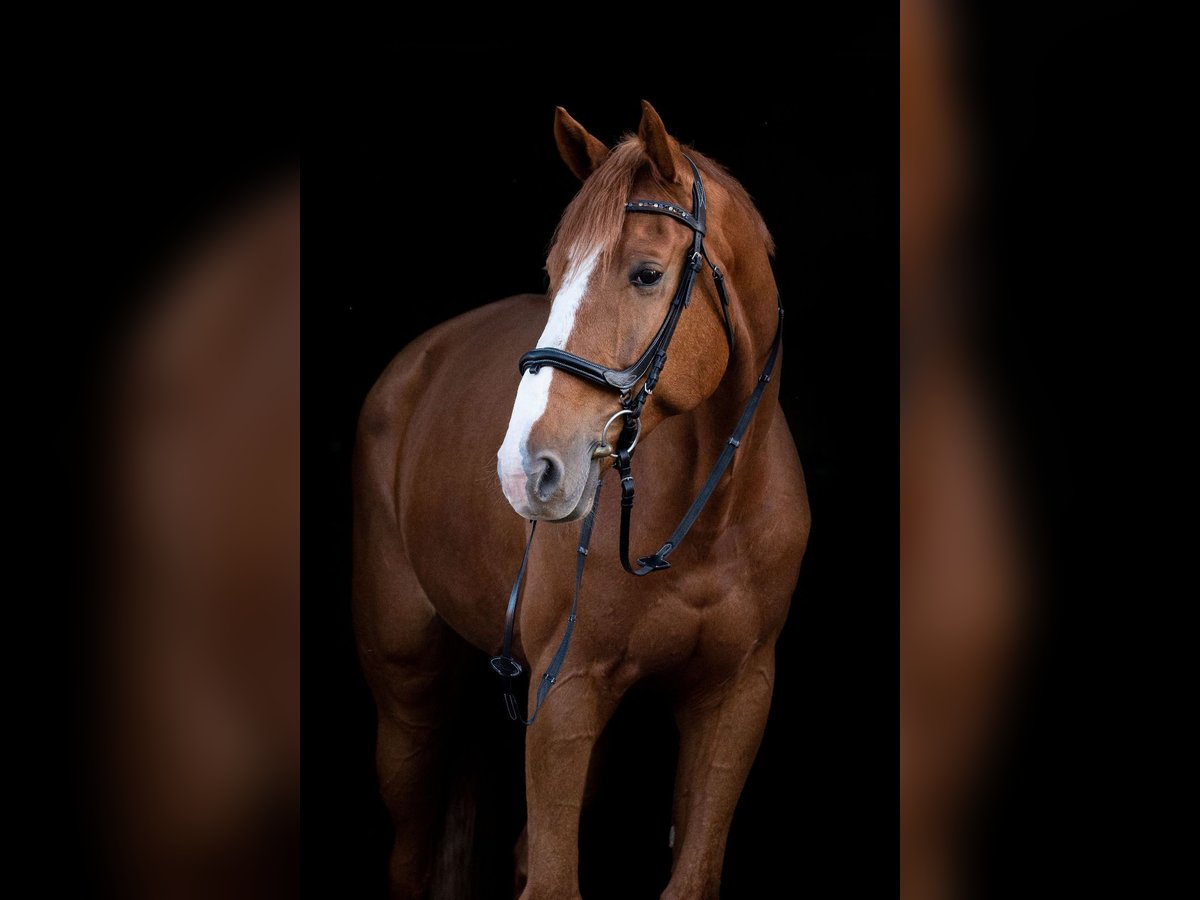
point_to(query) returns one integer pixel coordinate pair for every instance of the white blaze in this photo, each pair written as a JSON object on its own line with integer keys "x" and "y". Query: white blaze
{"x": 534, "y": 389}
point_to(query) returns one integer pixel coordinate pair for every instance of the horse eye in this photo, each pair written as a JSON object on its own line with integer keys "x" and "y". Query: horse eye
{"x": 646, "y": 277}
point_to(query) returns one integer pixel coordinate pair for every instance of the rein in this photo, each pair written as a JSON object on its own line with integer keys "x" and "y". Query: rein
{"x": 646, "y": 369}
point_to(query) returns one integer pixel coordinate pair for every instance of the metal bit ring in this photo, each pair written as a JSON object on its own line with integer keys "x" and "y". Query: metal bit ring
{"x": 605, "y": 448}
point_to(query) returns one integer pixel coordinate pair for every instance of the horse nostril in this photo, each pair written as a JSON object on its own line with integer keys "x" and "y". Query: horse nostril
{"x": 546, "y": 475}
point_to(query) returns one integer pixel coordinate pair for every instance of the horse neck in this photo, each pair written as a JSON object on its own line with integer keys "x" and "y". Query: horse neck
{"x": 755, "y": 304}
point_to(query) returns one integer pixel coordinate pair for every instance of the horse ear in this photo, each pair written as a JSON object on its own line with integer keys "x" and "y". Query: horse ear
{"x": 579, "y": 150}
{"x": 658, "y": 143}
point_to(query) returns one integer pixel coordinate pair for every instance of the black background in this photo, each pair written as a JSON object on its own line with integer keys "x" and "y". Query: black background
{"x": 812, "y": 137}
{"x": 1091, "y": 275}
{"x": 1073, "y": 126}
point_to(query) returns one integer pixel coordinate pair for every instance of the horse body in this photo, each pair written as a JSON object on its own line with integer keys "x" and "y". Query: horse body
{"x": 436, "y": 550}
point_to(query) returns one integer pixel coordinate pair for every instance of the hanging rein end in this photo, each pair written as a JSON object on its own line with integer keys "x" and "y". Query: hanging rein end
{"x": 508, "y": 668}
{"x": 510, "y": 704}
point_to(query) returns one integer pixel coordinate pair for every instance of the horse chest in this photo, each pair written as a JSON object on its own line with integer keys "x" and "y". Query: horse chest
{"x": 689, "y": 623}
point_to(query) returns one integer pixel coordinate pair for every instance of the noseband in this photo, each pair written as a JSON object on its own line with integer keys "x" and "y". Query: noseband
{"x": 646, "y": 370}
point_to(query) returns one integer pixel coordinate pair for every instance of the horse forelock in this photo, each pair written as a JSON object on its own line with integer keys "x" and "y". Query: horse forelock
{"x": 593, "y": 220}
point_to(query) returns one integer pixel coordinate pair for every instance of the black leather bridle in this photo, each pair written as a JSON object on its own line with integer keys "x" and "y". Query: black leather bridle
{"x": 646, "y": 370}
{"x": 650, "y": 364}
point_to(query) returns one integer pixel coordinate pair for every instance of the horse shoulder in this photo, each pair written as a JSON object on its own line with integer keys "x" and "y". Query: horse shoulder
{"x": 425, "y": 453}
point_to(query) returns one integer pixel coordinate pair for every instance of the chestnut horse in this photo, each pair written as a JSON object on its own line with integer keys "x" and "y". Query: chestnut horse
{"x": 437, "y": 542}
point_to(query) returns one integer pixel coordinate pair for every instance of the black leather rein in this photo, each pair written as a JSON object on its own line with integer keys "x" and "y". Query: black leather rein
{"x": 647, "y": 370}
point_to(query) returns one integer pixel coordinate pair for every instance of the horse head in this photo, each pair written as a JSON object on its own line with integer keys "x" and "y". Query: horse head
{"x": 613, "y": 280}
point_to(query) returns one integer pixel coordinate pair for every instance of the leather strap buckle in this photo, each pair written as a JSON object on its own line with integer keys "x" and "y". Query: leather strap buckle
{"x": 654, "y": 561}
{"x": 506, "y": 666}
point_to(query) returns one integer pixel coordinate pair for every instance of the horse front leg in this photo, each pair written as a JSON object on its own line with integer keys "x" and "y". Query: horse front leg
{"x": 719, "y": 734}
{"x": 558, "y": 751}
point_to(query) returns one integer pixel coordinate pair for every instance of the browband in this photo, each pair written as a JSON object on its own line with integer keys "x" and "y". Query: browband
{"x": 666, "y": 209}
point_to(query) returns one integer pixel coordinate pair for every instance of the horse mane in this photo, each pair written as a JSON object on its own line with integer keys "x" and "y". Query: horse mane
{"x": 596, "y": 215}
{"x": 713, "y": 171}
